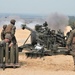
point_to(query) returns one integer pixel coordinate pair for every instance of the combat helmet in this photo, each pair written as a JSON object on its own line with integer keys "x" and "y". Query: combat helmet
{"x": 45, "y": 24}
{"x": 12, "y": 21}
{"x": 4, "y": 26}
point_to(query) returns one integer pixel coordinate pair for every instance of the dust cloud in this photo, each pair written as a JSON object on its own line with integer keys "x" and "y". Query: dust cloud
{"x": 6, "y": 20}
{"x": 57, "y": 21}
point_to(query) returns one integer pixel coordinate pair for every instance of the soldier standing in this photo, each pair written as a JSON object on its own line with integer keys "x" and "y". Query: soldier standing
{"x": 71, "y": 44}
{"x": 10, "y": 40}
{"x": 10, "y": 30}
{"x": 10, "y": 34}
{"x": 3, "y": 32}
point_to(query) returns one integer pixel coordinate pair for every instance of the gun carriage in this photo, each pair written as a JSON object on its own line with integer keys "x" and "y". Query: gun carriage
{"x": 44, "y": 42}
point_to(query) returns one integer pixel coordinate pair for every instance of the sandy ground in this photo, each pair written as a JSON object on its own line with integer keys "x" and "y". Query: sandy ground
{"x": 52, "y": 65}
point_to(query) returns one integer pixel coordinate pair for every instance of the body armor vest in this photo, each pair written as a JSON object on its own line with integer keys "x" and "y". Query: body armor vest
{"x": 8, "y": 28}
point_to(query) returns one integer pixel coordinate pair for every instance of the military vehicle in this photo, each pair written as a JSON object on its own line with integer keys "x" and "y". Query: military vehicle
{"x": 44, "y": 41}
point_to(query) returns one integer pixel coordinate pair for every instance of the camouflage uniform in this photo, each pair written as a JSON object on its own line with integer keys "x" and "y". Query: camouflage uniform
{"x": 71, "y": 44}
{"x": 10, "y": 34}
{"x": 3, "y": 47}
{"x": 9, "y": 38}
{"x": 3, "y": 32}
{"x": 10, "y": 30}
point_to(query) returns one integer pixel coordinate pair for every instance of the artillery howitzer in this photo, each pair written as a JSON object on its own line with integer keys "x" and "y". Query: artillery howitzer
{"x": 44, "y": 42}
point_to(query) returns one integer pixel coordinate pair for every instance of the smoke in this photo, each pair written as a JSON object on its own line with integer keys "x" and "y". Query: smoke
{"x": 6, "y": 20}
{"x": 19, "y": 21}
{"x": 33, "y": 24}
{"x": 57, "y": 21}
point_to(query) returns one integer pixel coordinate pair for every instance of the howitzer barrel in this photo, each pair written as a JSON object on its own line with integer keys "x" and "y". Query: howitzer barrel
{"x": 25, "y": 27}
{"x": 34, "y": 34}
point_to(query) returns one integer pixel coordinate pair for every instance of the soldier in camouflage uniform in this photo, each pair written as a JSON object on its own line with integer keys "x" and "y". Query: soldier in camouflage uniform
{"x": 3, "y": 47}
{"x": 71, "y": 44}
{"x": 3, "y": 32}
{"x": 9, "y": 38}
{"x": 8, "y": 33}
{"x": 10, "y": 30}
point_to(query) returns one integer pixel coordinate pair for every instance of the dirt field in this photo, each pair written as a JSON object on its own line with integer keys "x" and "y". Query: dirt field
{"x": 51, "y": 65}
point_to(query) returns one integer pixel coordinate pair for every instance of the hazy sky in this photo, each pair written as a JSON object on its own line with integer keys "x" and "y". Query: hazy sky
{"x": 66, "y": 7}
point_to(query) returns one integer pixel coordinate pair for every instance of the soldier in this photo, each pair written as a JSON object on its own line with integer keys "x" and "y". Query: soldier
{"x": 7, "y": 39}
{"x": 10, "y": 30}
{"x": 45, "y": 24}
{"x": 3, "y": 32}
{"x": 11, "y": 40}
{"x": 71, "y": 44}
{"x": 67, "y": 34}
{"x": 3, "y": 47}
